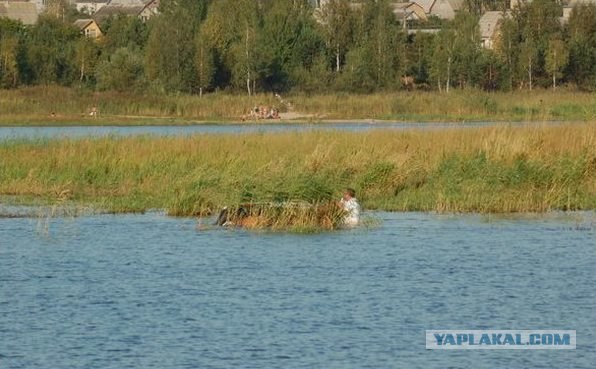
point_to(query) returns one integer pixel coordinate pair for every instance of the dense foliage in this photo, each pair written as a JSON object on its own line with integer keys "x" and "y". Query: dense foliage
{"x": 197, "y": 46}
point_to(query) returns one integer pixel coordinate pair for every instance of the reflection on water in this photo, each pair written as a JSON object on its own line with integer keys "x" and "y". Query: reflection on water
{"x": 102, "y": 131}
{"x": 149, "y": 291}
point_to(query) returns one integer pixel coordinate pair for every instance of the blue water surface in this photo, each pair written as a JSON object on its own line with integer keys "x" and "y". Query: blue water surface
{"x": 33, "y": 132}
{"x": 150, "y": 291}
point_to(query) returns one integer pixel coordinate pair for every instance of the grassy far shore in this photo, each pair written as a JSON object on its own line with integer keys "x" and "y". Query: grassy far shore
{"x": 35, "y": 105}
{"x": 490, "y": 169}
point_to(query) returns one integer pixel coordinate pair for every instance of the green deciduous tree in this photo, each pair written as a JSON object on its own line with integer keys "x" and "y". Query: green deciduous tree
{"x": 9, "y": 69}
{"x": 507, "y": 48}
{"x": 420, "y": 50}
{"x": 205, "y": 63}
{"x": 457, "y": 55}
{"x": 378, "y": 61}
{"x": 288, "y": 42}
{"x": 232, "y": 27}
{"x": 581, "y": 68}
{"x": 528, "y": 60}
{"x": 124, "y": 31}
{"x": 338, "y": 23}
{"x": 170, "y": 51}
{"x": 539, "y": 22}
{"x": 524, "y": 41}
{"x": 194, "y": 46}
{"x": 467, "y": 55}
{"x": 442, "y": 58}
{"x": 122, "y": 71}
{"x": 12, "y": 60}
{"x": 492, "y": 70}
{"x": 86, "y": 58}
{"x": 557, "y": 57}
{"x": 51, "y": 51}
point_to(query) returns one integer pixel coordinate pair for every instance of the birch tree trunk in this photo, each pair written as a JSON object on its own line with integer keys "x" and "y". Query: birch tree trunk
{"x": 247, "y": 62}
{"x": 448, "y": 84}
{"x": 337, "y": 58}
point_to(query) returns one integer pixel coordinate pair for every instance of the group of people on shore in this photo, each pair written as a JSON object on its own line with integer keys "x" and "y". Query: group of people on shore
{"x": 93, "y": 113}
{"x": 264, "y": 112}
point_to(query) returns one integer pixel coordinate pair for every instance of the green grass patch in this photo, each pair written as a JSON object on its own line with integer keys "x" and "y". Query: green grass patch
{"x": 487, "y": 169}
{"x": 54, "y": 105}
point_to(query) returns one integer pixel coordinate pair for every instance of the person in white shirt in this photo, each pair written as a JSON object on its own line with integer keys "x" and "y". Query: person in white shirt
{"x": 351, "y": 206}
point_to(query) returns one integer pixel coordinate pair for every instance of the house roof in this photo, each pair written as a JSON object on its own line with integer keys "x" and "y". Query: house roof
{"x": 410, "y": 10}
{"x": 126, "y": 7}
{"x": 83, "y": 23}
{"x": 127, "y": 2}
{"x": 131, "y": 2}
{"x": 26, "y": 12}
{"x": 425, "y": 4}
{"x": 401, "y": 5}
{"x": 489, "y": 23}
{"x": 456, "y": 4}
{"x": 573, "y": 3}
{"x": 115, "y": 9}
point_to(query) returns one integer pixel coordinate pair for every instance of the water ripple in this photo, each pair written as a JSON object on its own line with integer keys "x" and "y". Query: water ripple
{"x": 148, "y": 291}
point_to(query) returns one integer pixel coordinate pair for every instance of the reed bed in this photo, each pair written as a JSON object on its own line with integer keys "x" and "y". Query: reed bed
{"x": 489, "y": 170}
{"x": 295, "y": 216}
{"x": 71, "y": 106}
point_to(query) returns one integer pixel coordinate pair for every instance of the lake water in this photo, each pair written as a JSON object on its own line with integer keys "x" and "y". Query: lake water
{"x": 151, "y": 291}
{"x": 28, "y": 132}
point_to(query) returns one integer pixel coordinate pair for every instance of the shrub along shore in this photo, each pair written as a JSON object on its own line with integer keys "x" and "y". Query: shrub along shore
{"x": 54, "y": 105}
{"x": 489, "y": 169}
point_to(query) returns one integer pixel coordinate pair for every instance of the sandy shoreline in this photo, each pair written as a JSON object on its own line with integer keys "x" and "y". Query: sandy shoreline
{"x": 287, "y": 117}
{"x": 171, "y": 121}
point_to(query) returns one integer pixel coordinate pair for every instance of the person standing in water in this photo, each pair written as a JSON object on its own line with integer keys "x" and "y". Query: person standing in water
{"x": 351, "y": 206}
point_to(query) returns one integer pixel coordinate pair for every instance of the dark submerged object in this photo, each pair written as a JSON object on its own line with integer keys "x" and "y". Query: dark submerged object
{"x": 225, "y": 218}
{"x": 282, "y": 215}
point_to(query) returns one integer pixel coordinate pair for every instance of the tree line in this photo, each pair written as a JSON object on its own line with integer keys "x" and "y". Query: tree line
{"x": 198, "y": 46}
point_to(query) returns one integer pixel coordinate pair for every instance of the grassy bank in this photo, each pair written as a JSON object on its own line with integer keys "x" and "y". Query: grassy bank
{"x": 492, "y": 169}
{"x": 35, "y": 105}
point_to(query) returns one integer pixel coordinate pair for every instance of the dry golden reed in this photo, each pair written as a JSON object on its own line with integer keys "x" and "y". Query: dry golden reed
{"x": 502, "y": 168}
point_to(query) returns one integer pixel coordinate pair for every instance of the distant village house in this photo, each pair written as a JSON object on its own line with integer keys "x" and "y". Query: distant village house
{"x": 143, "y": 9}
{"x": 490, "y": 25}
{"x": 444, "y": 9}
{"x": 409, "y": 11}
{"x": 23, "y": 11}
{"x": 414, "y": 10}
{"x": 89, "y": 28}
{"x": 568, "y": 8}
